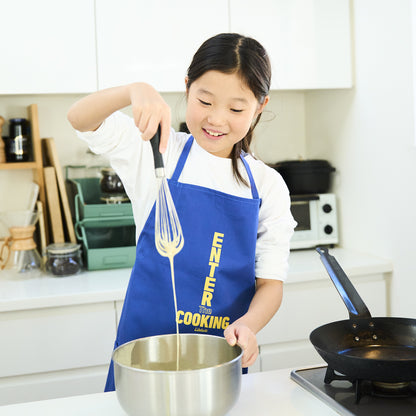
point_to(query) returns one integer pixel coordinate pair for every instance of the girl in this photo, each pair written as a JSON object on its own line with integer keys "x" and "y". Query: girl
{"x": 234, "y": 210}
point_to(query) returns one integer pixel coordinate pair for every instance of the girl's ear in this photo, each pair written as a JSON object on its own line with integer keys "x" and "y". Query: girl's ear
{"x": 262, "y": 105}
{"x": 186, "y": 85}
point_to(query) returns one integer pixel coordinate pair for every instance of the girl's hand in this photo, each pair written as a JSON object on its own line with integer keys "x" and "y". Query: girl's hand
{"x": 150, "y": 110}
{"x": 240, "y": 334}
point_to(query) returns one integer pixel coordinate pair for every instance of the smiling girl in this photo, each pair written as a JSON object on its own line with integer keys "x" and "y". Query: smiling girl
{"x": 229, "y": 203}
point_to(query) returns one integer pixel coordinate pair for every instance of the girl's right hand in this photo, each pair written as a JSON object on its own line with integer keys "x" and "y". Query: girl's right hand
{"x": 150, "y": 110}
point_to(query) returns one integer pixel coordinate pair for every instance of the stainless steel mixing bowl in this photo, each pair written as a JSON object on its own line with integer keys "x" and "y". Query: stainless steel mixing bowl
{"x": 207, "y": 383}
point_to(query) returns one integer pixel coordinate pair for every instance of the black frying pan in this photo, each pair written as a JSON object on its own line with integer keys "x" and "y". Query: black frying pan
{"x": 363, "y": 347}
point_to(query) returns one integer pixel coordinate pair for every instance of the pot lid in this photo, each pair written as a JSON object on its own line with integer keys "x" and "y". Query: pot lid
{"x": 303, "y": 164}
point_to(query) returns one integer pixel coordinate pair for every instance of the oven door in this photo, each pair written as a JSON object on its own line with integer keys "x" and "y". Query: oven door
{"x": 305, "y": 212}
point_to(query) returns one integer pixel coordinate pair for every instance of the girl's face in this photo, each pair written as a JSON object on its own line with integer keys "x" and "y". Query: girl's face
{"x": 220, "y": 111}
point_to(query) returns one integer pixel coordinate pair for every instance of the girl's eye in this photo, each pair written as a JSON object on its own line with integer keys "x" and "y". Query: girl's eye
{"x": 204, "y": 102}
{"x": 234, "y": 110}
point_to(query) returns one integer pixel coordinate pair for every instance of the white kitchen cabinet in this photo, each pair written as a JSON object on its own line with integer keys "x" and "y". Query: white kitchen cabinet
{"x": 309, "y": 41}
{"x": 65, "y": 349}
{"x": 48, "y": 46}
{"x": 153, "y": 41}
{"x": 79, "y": 46}
{"x": 52, "y": 385}
{"x": 119, "y": 309}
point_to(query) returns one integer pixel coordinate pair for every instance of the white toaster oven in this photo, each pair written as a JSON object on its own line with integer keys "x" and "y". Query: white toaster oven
{"x": 316, "y": 216}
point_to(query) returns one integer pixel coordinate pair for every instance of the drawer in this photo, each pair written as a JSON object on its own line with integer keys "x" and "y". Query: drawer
{"x": 51, "y": 339}
{"x": 45, "y": 386}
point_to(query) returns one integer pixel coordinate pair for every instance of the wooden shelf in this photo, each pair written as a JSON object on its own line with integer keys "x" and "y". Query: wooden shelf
{"x": 18, "y": 165}
{"x": 37, "y": 164}
{"x": 44, "y": 151}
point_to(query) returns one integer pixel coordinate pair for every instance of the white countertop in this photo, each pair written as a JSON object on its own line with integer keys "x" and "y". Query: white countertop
{"x": 18, "y": 293}
{"x": 306, "y": 265}
{"x": 262, "y": 394}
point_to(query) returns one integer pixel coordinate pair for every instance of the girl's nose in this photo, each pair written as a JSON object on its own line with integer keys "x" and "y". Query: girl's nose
{"x": 216, "y": 117}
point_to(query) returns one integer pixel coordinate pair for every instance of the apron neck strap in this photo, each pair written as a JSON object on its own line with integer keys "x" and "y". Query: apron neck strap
{"x": 184, "y": 156}
{"x": 182, "y": 159}
{"x": 253, "y": 186}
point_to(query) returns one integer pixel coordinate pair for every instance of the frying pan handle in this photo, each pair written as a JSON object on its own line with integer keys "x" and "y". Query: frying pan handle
{"x": 355, "y": 305}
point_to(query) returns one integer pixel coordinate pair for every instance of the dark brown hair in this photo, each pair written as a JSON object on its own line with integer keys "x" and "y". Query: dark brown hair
{"x": 234, "y": 53}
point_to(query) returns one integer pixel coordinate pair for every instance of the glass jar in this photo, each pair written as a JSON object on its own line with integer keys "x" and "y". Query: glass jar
{"x": 63, "y": 259}
{"x": 110, "y": 183}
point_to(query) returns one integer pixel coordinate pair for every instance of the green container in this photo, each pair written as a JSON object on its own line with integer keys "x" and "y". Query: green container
{"x": 106, "y": 231}
{"x": 107, "y": 244}
{"x": 87, "y": 203}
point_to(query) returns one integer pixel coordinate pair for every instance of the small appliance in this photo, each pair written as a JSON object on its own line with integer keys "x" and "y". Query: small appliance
{"x": 316, "y": 215}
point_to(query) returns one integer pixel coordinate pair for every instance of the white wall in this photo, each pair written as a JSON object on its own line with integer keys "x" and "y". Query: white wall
{"x": 367, "y": 133}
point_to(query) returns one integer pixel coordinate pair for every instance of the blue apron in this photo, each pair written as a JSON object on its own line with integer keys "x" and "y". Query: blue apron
{"x": 214, "y": 272}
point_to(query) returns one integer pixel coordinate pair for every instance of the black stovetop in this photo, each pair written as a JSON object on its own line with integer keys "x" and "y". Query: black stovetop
{"x": 340, "y": 395}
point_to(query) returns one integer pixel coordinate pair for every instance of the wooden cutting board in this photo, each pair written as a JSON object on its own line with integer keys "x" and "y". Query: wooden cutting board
{"x": 42, "y": 230}
{"x": 2, "y": 147}
{"x": 52, "y": 157}
{"x": 54, "y": 206}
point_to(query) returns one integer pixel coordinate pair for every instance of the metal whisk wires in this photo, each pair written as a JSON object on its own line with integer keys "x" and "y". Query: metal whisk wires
{"x": 168, "y": 231}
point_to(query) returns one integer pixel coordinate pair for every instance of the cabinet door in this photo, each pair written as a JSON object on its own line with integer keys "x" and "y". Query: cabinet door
{"x": 309, "y": 41}
{"x": 48, "y": 46}
{"x": 119, "y": 309}
{"x": 54, "y": 339}
{"x": 153, "y": 41}
{"x": 45, "y": 386}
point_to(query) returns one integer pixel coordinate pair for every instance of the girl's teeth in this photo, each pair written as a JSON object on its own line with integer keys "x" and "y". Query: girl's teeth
{"x": 214, "y": 134}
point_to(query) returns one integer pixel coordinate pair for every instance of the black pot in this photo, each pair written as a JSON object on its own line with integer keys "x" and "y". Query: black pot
{"x": 306, "y": 176}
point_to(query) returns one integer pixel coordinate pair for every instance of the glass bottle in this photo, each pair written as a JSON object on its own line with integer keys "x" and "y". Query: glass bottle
{"x": 18, "y": 143}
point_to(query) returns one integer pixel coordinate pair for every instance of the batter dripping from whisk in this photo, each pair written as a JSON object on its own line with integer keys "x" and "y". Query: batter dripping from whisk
{"x": 169, "y": 240}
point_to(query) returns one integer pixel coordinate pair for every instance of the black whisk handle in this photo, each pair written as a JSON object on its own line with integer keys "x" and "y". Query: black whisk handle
{"x": 157, "y": 156}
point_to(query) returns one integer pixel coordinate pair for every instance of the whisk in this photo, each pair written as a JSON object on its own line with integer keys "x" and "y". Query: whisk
{"x": 168, "y": 231}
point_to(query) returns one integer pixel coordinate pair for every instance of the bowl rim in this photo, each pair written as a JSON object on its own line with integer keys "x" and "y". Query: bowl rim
{"x": 142, "y": 370}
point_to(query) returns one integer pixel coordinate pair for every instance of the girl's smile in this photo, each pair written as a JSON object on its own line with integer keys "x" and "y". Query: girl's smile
{"x": 220, "y": 111}
{"x": 213, "y": 134}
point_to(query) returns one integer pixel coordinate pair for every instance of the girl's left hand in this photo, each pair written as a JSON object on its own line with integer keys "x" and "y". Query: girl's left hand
{"x": 240, "y": 334}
